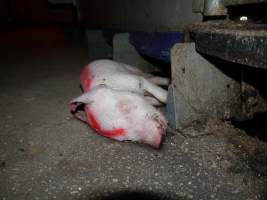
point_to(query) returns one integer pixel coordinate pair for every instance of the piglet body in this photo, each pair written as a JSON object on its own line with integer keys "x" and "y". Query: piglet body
{"x": 121, "y": 115}
{"x": 124, "y": 77}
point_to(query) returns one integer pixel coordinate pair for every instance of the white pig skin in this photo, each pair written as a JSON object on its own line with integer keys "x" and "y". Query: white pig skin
{"x": 120, "y": 76}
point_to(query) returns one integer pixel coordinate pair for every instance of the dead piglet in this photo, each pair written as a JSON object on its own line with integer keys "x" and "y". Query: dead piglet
{"x": 124, "y": 77}
{"x": 121, "y": 115}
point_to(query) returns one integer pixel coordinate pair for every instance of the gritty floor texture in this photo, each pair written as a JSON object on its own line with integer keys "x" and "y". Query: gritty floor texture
{"x": 47, "y": 154}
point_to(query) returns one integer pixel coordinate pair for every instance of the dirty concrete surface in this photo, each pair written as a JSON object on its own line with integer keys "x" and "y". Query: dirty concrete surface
{"x": 47, "y": 154}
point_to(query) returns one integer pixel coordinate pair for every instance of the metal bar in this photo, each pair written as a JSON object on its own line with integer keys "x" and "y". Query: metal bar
{"x": 214, "y": 8}
{"x": 241, "y": 2}
{"x": 233, "y": 42}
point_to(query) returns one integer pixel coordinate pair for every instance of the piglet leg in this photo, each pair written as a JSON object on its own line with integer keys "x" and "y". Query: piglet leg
{"x": 155, "y": 91}
{"x": 78, "y": 105}
{"x": 153, "y": 101}
{"x": 159, "y": 80}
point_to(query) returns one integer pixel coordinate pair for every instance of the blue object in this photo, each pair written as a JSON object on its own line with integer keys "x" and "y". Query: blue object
{"x": 156, "y": 44}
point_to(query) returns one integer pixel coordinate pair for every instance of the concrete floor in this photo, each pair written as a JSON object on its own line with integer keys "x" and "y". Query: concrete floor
{"x": 47, "y": 154}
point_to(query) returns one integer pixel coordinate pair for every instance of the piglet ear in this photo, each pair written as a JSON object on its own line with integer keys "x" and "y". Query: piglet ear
{"x": 77, "y": 109}
{"x": 77, "y": 105}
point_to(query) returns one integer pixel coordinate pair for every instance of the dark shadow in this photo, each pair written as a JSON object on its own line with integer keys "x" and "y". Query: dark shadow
{"x": 138, "y": 195}
{"x": 264, "y": 195}
{"x": 256, "y": 13}
{"x": 163, "y": 67}
{"x": 255, "y": 77}
{"x": 252, "y": 75}
{"x": 256, "y": 127}
{"x": 230, "y": 69}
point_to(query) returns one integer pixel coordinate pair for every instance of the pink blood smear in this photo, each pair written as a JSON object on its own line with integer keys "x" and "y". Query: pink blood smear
{"x": 86, "y": 79}
{"x": 95, "y": 124}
